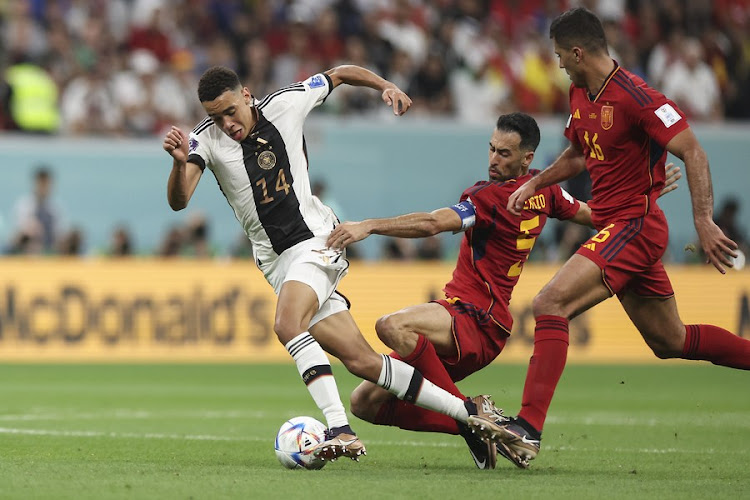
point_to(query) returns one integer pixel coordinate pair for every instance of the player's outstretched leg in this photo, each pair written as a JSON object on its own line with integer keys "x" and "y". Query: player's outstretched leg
{"x": 376, "y": 405}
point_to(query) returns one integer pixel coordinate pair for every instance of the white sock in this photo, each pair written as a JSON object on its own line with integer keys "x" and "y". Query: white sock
{"x": 315, "y": 369}
{"x": 408, "y": 384}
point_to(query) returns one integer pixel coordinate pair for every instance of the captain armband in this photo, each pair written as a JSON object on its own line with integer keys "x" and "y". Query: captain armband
{"x": 467, "y": 212}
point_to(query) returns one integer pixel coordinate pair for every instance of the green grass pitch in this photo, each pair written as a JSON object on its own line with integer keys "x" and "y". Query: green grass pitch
{"x": 670, "y": 430}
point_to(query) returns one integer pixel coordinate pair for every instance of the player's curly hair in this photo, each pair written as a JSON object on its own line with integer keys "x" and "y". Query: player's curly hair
{"x": 215, "y": 81}
{"x": 578, "y": 27}
{"x": 522, "y": 124}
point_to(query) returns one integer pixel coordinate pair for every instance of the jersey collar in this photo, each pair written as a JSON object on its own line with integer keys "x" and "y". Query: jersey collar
{"x": 594, "y": 98}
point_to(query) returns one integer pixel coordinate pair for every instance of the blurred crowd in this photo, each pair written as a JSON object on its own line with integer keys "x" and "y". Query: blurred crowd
{"x": 130, "y": 67}
{"x": 39, "y": 226}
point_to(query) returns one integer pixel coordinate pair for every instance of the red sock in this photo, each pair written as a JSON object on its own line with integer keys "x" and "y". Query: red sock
{"x": 425, "y": 359}
{"x": 411, "y": 417}
{"x": 545, "y": 368}
{"x": 714, "y": 344}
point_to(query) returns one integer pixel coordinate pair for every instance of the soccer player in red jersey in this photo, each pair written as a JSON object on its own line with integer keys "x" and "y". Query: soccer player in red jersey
{"x": 449, "y": 339}
{"x": 621, "y": 130}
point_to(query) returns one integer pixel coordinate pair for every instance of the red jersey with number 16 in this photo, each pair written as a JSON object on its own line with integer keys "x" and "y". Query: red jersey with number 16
{"x": 494, "y": 250}
{"x": 623, "y": 132}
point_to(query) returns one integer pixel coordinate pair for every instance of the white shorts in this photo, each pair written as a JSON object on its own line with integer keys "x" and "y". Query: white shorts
{"x": 311, "y": 263}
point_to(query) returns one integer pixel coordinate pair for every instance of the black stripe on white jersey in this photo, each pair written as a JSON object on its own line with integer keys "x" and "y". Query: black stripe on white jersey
{"x": 203, "y": 125}
{"x": 275, "y": 200}
{"x": 297, "y": 87}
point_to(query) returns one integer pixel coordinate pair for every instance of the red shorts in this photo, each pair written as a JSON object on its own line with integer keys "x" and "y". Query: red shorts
{"x": 629, "y": 254}
{"x": 478, "y": 338}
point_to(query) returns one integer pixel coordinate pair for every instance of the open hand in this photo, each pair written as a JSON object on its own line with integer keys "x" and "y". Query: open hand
{"x": 347, "y": 233}
{"x": 674, "y": 174}
{"x": 717, "y": 247}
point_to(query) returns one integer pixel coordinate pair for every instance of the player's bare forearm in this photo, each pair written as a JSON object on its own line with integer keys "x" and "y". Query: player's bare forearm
{"x": 177, "y": 186}
{"x": 362, "y": 77}
{"x": 357, "y": 76}
{"x": 185, "y": 175}
{"x": 414, "y": 225}
{"x": 686, "y": 147}
{"x": 569, "y": 164}
{"x": 583, "y": 216}
{"x": 717, "y": 247}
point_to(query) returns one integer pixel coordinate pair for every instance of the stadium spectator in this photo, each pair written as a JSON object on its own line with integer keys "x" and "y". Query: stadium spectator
{"x": 693, "y": 85}
{"x": 121, "y": 243}
{"x": 71, "y": 243}
{"x": 258, "y": 66}
{"x": 32, "y": 97}
{"x": 727, "y": 220}
{"x": 196, "y": 243}
{"x": 38, "y": 215}
{"x": 89, "y": 105}
{"x": 429, "y": 88}
{"x": 399, "y": 29}
{"x": 171, "y": 245}
{"x": 68, "y": 38}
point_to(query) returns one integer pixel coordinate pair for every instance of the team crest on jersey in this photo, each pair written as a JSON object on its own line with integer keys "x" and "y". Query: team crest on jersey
{"x": 267, "y": 160}
{"x": 608, "y": 117}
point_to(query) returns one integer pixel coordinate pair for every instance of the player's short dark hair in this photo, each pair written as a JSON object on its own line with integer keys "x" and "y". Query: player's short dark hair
{"x": 578, "y": 27}
{"x": 215, "y": 81}
{"x": 522, "y": 124}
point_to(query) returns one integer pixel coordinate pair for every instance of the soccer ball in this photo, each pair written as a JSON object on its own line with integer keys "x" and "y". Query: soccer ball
{"x": 296, "y": 441}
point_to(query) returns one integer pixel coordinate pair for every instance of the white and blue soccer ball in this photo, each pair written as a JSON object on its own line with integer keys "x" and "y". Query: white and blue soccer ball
{"x": 296, "y": 441}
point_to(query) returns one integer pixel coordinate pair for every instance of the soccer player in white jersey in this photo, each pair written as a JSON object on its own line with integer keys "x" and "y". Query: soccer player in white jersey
{"x": 256, "y": 150}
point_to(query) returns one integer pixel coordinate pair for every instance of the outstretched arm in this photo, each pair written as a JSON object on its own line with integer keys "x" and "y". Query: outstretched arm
{"x": 361, "y": 77}
{"x": 416, "y": 225}
{"x": 717, "y": 247}
{"x": 569, "y": 164}
{"x": 185, "y": 175}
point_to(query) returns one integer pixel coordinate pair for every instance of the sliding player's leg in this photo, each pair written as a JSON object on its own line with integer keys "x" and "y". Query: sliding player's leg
{"x": 432, "y": 337}
{"x": 576, "y": 287}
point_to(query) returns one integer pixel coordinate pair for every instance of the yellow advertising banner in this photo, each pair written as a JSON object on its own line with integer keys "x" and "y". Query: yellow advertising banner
{"x": 187, "y": 310}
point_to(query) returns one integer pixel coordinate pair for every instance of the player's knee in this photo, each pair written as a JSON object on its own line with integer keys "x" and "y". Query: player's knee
{"x": 663, "y": 349}
{"x": 544, "y": 303}
{"x": 665, "y": 352}
{"x": 389, "y": 329}
{"x": 361, "y": 405}
{"x": 667, "y": 342}
{"x": 365, "y": 367}
{"x": 286, "y": 329}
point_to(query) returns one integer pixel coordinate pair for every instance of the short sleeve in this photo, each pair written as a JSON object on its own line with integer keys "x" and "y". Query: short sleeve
{"x": 660, "y": 118}
{"x": 198, "y": 152}
{"x": 564, "y": 206}
{"x": 301, "y": 96}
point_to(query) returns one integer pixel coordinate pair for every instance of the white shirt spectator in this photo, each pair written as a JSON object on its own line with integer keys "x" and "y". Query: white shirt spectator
{"x": 692, "y": 84}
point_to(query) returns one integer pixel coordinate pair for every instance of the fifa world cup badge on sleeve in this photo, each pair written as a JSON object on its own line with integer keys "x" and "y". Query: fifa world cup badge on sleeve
{"x": 316, "y": 81}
